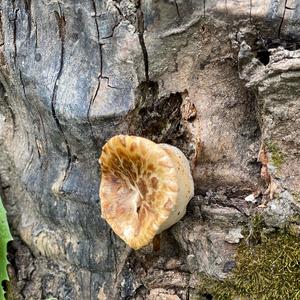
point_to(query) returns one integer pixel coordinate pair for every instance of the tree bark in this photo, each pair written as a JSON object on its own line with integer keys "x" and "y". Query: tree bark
{"x": 218, "y": 79}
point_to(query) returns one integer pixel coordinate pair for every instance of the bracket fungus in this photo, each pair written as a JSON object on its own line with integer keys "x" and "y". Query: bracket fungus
{"x": 145, "y": 187}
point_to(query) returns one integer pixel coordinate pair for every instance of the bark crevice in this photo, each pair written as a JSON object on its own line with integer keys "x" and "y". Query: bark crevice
{"x": 61, "y": 23}
{"x": 141, "y": 30}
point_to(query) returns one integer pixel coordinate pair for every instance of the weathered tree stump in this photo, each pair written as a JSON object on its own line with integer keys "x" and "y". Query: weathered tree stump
{"x": 218, "y": 79}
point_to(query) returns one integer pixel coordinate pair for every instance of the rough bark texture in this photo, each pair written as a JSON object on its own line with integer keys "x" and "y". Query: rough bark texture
{"x": 218, "y": 79}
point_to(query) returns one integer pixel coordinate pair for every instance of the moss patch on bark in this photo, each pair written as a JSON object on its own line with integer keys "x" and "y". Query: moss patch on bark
{"x": 267, "y": 267}
{"x": 276, "y": 155}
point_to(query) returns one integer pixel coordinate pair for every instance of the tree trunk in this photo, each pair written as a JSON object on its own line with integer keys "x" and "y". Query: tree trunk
{"x": 218, "y": 79}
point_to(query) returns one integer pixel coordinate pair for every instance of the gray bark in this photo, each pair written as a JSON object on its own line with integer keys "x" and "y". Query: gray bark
{"x": 199, "y": 75}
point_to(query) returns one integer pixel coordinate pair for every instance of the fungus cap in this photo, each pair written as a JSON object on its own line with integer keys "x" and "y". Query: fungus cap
{"x": 144, "y": 188}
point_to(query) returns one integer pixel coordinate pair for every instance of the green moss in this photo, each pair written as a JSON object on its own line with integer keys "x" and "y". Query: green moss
{"x": 267, "y": 267}
{"x": 277, "y": 156}
{"x": 296, "y": 196}
{"x": 294, "y": 224}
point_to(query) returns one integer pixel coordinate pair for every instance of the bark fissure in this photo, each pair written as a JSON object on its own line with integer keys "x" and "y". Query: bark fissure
{"x": 61, "y": 30}
{"x": 37, "y": 148}
{"x": 99, "y": 76}
{"x": 109, "y": 85}
{"x": 141, "y": 29}
{"x": 177, "y": 9}
{"x": 27, "y": 4}
{"x": 36, "y": 36}
{"x": 250, "y": 12}
{"x": 100, "y": 53}
{"x": 282, "y": 19}
{"x": 14, "y": 20}
{"x": 98, "y": 39}
{"x": 118, "y": 9}
{"x": 112, "y": 32}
